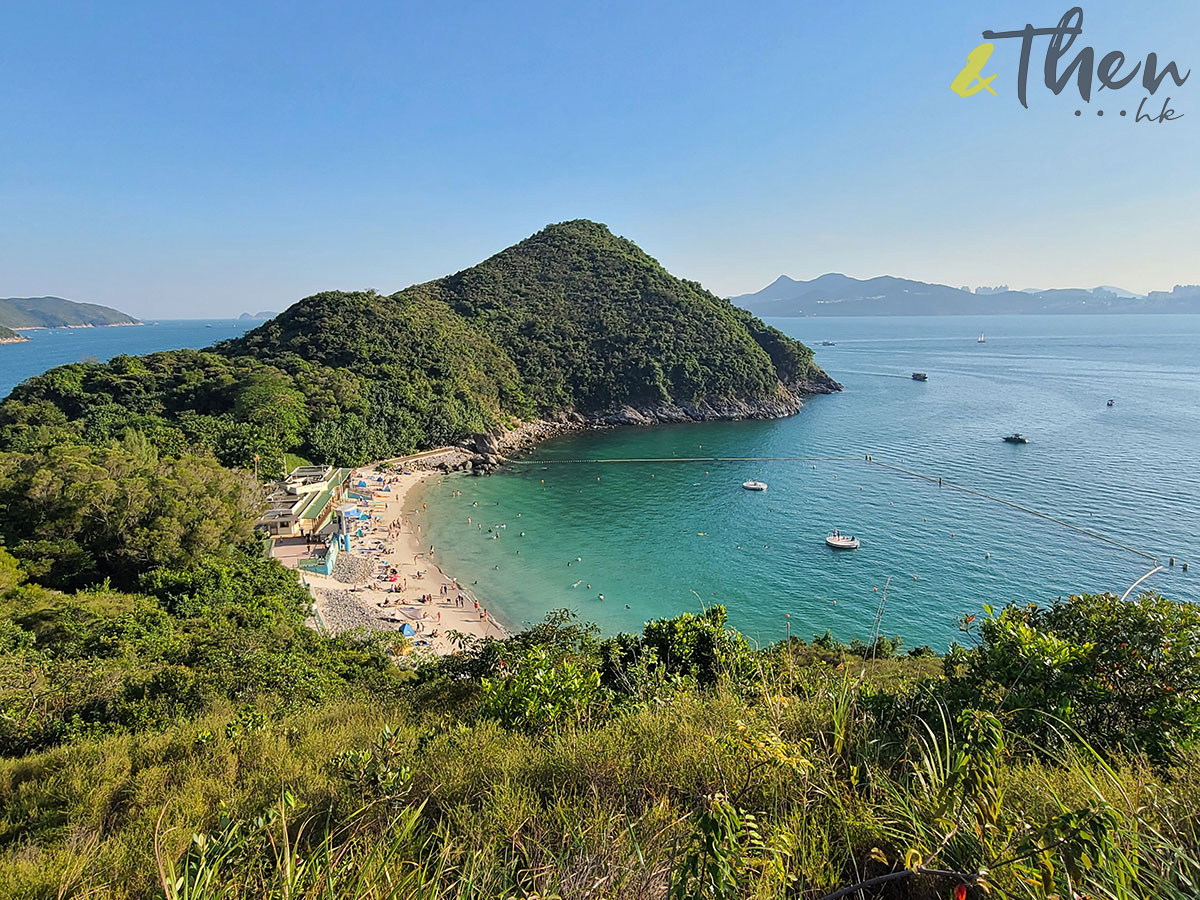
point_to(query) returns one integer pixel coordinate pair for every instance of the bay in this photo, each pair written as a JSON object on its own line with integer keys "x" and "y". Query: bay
{"x": 657, "y": 538}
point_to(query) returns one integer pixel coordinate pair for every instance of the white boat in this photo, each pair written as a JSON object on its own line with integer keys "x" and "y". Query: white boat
{"x": 981, "y": 340}
{"x": 839, "y": 541}
{"x": 754, "y": 485}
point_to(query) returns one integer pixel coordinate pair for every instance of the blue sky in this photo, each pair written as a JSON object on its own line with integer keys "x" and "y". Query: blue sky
{"x": 203, "y": 159}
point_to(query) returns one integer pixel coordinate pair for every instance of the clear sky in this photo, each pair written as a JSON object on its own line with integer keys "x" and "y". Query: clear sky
{"x": 203, "y": 159}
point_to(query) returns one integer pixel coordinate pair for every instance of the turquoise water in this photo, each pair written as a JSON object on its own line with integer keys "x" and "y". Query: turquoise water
{"x": 50, "y": 347}
{"x": 1127, "y": 471}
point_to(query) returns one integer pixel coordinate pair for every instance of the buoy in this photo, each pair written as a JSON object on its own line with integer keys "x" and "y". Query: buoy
{"x": 876, "y": 590}
{"x": 914, "y": 577}
{"x": 1185, "y": 567}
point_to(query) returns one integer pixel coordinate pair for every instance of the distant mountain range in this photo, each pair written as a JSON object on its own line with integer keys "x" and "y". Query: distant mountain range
{"x": 55, "y": 312}
{"x": 840, "y": 295}
{"x": 258, "y": 316}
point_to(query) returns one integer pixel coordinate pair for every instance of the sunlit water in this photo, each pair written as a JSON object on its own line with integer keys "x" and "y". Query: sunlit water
{"x": 49, "y": 347}
{"x": 657, "y": 538}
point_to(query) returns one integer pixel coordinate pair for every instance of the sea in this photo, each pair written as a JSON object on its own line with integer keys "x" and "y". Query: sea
{"x": 629, "y": 524}
{"x": 50, "y": 347}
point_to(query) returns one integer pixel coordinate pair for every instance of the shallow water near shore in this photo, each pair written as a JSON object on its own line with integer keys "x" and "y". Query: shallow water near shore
{"x": 656, "y": 538}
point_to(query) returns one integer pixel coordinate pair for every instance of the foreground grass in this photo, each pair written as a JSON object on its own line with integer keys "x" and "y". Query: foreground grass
{"x": 785, "y": 791}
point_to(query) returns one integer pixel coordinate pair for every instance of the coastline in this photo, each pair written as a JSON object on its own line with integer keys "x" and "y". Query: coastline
{"x": 76, "y": 326}
{"x": 355, "y": 597}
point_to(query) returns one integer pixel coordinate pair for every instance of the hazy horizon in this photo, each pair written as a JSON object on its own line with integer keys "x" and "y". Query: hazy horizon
{"x": 169, "y": 161}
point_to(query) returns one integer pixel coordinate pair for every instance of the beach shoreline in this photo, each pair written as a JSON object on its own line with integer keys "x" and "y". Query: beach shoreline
{"x": 391, "y": 577}
{"x": 353, "y": 596}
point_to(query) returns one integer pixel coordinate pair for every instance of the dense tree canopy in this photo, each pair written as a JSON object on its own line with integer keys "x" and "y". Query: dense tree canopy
{"x": 571, "y": 319}
{"x": 75, "y": 514}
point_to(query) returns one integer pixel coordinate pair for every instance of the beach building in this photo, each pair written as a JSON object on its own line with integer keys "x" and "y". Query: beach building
{"x": 304, "y": 501}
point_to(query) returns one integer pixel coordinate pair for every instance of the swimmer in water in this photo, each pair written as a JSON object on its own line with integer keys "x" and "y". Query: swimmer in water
{"x": 601, "y": 596}
{"x": 576, "y": 584}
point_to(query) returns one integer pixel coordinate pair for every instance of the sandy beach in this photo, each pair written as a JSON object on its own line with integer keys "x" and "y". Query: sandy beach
{"x": 391, "y": 577}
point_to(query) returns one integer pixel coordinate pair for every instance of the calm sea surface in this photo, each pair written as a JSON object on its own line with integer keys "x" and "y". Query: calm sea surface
{"x": 52, "y": 347}
{"x": 655, "y": 538}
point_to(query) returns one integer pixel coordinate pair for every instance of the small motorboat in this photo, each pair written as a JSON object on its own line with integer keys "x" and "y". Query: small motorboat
{"x": 982, "y": 339}
{"x": 754, "y": 485}
{"x": 828, "y": 343}
{"x": 920, "y": 376}
{"x": 1016, "y": 438}
{"x": 839, "y": 541}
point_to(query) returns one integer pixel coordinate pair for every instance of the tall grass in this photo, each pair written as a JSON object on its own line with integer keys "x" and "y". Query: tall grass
{"x": 789, "y": 787}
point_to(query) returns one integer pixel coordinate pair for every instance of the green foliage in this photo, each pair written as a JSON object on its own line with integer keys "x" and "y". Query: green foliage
{"x": 594, "y": 323}
{"x": 227, "y": 629}
{"x": 76, "y": 515}
{"x": 541, "y": 693}
{"x": 572, "y": 318}
{"x": 698, "y": 646}
{"x": 1124, "y": 674}
{"x": 775, "y": 780}
{"x": 712, "y": 866}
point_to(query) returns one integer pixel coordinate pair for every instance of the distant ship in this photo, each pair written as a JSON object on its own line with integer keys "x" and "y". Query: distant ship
{"x": 982, "y": 339}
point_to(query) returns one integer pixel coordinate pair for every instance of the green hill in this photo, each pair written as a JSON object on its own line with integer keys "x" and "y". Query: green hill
{"x": 8, "y": 336}
{"x": 594, "y": 323}
{"x": 570, "y": 321}
{"x": 54, "y": 312}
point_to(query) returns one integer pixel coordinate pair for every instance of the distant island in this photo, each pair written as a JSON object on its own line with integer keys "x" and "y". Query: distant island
{"x": 571, "y": 327}
{"x": 840, "y": 295}
{"x": 55, "y": 312}
{"x": 257, "y": 316}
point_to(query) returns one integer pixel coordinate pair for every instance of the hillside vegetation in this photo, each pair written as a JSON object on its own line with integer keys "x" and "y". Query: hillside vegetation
{"x": 53, "y": 312}
{"x": 572, "y": 320}
{"x": 194, "y": 740}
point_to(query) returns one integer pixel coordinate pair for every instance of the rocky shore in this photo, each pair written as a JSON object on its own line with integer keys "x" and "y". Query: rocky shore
{"x": 341, "y": 611}
{"x": 485, "y": 452}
